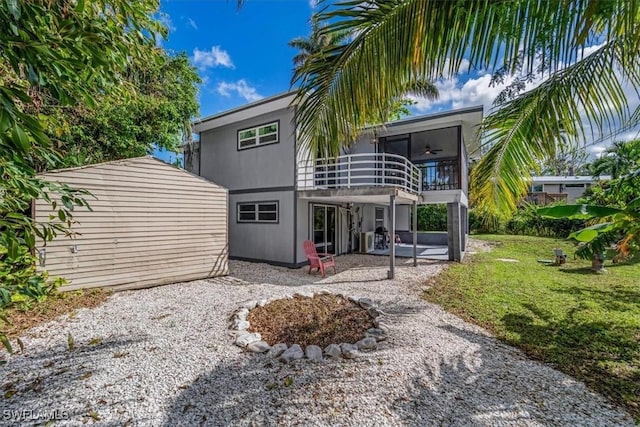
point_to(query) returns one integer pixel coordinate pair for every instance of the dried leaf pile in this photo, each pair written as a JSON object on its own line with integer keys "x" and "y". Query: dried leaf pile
{"x": 321, "y": 320}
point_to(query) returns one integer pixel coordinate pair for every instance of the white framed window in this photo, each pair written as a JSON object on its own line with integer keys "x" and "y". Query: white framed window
{"x": 259, "y": 135}
{"x": 263, "y": 212}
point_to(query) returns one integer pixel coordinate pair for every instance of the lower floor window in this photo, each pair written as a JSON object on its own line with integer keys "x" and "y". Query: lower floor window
{"x": 258, "y": 212}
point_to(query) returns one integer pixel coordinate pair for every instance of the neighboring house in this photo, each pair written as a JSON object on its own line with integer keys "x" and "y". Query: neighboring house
{"x": 550, "y": 189}
{"x": 151, "y": 224}
{"x": 279, "y": 196}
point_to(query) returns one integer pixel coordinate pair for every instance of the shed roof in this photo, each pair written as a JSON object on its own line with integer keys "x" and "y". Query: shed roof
{"x": 135, "y": 162}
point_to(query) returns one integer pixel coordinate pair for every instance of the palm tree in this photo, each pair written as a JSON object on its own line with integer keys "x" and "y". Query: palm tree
{"x": 322, "y": 43}
{"x": 397, "y": 42}
{"x": 316, "y": 43}
{"x": 622, "y": 158}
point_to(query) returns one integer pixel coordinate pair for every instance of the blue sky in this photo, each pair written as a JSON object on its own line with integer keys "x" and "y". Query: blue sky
{"x": 242, "y": 55}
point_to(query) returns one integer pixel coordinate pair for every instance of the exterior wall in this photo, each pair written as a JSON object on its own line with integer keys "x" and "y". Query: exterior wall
{"x": 151, "y": 224}
{"x": 403, "y": 218}
{"x": 268, "y": 166}
{"x": 368, "y": 217}
{"x": 574, "y": 193}
{"x": 551, "y": 188}
{"x": 263, "y": 241}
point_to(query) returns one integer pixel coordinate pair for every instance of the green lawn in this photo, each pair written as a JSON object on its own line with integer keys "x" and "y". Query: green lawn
{"x": 584, "y": 324}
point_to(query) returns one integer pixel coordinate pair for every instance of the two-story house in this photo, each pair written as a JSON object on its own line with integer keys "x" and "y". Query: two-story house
{"x": 280, "y": 196}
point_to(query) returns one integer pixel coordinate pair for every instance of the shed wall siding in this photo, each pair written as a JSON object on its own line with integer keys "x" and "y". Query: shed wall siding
{"x": 151, "y": 224}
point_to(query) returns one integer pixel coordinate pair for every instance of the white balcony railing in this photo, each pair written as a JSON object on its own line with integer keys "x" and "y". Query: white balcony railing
{"x": 360, "y": 170}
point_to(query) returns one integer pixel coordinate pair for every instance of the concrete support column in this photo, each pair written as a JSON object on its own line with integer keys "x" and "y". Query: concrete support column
{"x": 464, "y": 216}
{"x": 454, "y": 228}
{"x": 414, "y": 228}
{"x": 392, "y": 236}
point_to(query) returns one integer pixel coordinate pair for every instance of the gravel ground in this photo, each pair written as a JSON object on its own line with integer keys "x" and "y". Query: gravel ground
{"x": 162, "y": 356}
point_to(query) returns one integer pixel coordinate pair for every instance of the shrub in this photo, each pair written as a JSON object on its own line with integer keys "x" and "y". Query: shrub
{"x": 432, "y": 217}
{"x": 527, "y": 221}
{"x": 484, "y": 223}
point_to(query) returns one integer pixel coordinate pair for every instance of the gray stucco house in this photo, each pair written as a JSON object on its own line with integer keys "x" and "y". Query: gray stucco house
{"x": 279, "y": 196}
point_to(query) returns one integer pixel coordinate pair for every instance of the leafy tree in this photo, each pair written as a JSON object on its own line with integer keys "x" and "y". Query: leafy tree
{"x": 396, "y": 43}
{"x": 65, "y": 51}
{"x": 568, "y": 159}
{"x": 156, "y": 110}
{"x": 620, "y": 159}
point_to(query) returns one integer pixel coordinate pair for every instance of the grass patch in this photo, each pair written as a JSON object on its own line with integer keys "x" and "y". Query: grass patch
{"x": 584, "y": 324}
{"x": 24, "y": 318}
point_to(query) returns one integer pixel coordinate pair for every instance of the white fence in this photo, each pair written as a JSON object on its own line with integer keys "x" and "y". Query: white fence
{"x": 360, "y": 170}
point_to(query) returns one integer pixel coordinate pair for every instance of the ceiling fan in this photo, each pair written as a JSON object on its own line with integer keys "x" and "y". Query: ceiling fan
{"x": 430, "y": 151}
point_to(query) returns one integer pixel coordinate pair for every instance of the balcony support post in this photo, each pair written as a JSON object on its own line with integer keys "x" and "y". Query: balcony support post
{"x": 392, "y": 236}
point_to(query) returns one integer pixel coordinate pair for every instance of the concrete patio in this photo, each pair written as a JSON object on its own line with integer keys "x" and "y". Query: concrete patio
{"x": 404, "y": 250}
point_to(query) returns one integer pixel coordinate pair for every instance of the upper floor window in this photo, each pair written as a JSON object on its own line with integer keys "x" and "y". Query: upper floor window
{"x": 259, "y": 135}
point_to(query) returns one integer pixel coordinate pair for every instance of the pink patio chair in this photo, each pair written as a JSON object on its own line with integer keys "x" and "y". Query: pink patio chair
{"x": 320, "y": 261}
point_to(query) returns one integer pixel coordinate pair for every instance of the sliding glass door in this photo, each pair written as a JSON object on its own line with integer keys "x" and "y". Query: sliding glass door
{"x": 324, "y": 228}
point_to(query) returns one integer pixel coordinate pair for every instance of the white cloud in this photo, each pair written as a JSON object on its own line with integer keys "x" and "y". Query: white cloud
{"x": 460, "y": 92}
{"x": 456, "y": 94}
{"x": 192, "y": 23}
{"x": 313, "y": 3}
{"x": 241, "y": 88}
{"x": 204, "y": 59}
{"x": 597, "y": 150}
{"x": 589, "y": 50}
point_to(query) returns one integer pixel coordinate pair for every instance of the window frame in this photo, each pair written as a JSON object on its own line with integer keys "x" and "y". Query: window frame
{"x": 376, "y": 219}
{"x": 256, "y": 212}
{"x": 257, "y": 136}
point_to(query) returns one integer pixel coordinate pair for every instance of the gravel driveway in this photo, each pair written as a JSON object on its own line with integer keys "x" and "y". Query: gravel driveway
{"x": 162, "y": 357}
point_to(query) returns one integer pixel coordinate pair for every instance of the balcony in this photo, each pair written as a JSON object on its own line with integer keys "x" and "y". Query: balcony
{"x": 440, "y": 175}
{"x": 541, "y": 198}
{"x": 360, "y": 170}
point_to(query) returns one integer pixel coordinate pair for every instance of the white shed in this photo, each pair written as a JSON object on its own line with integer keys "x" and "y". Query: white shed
{"x": 152, "y": 224}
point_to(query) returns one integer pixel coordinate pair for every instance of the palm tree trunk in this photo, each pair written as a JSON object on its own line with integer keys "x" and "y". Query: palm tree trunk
{"x": 597, "y": 263}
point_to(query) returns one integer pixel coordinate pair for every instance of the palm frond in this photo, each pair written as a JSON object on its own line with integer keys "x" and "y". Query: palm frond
{"x": 398, "y": 43}
{"x": 526, "y": 128}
